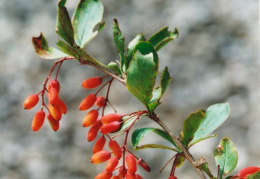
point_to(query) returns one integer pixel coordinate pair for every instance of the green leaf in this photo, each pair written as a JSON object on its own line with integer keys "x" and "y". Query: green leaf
{"x": 43, "y": 50}
{"x": 225, "y": 156}
{"x": 201, "y": 139}
{"x": 128, "y": 120}
{"x": 139, "y": 134}
{"x": 113, "y": 66}
{"x": 162, "y": 37}
{"x": 131, "y": 48}
{"x": 142, "y": 72}
{"x": 154, "y": 146}
{"x": 120, "y": 42}
{"x": 181, "y": 160}
{"x": 67, "y": 49}
{"x": 215, "y": 116}
{"x": 63, "y": 24}
{"x": 205, "y": 167}
{"x": 254, "y": 175}
{"x": 159, "y": 91}
{"x": 87, "y": 15}
{"x": 101, "y": 26}
{"x": 190, "y": 126}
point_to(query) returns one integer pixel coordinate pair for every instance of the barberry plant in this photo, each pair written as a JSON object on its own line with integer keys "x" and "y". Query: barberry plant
{"x": 137, "y": 70}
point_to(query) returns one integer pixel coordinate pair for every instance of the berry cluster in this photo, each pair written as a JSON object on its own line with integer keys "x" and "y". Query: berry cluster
{"x": 106, "y": 125}
{"x": 56, "y": 106}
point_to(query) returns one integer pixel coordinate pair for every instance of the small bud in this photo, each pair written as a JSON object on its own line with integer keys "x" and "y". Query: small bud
{"x": 104, "y": 175}
{"x": 91, "y": 82}
{"x": 99, "y": 145}
{"x": 100, "y": 102}
{"x": 54, "y": 84}
{"x": 87, "y": 102}
{"x": 111, "y": 127}
{"x": 55, "y": 124}
{"x": 100, "y": 157}
{"x": 30, "y": 101}
{"x": 111, "y": 164}
{"x": 115, "y": 148}
{"x": 143, "y": 164}
{"x": 90, "y": 118}
{"x": 111, "y": 118}
{"x": 131, "y": 163}
{"x": 38, "y": 120}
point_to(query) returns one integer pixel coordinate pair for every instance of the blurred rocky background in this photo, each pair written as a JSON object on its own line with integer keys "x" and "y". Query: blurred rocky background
{"x": 215, "y": 59}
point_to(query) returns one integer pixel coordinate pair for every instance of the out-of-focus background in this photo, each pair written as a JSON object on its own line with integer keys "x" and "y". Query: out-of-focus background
{"x": 215, "y": 59}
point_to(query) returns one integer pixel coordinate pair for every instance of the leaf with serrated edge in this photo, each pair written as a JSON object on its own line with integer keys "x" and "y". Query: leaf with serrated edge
{"x": 63, "y": 24}
{"x": 43, "y": 50}
{"x": 142, "y": 72}
{"x": 226, "y": 156}
{"x": 87, "y": 15}
{"x": 215, "y": 116}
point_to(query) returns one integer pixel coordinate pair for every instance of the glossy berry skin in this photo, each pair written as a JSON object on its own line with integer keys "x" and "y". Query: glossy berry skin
{"x": 111, "y": 127}
{"x": 92, "y": 133}
{"x": 38, "y": 120}
{"x": 100, "y": 157}
{"x": 111, "y": 118}
{"x": 111, "y": 164}
{"x": 90, "y": 118}
{"x": 31, "y": 101}
{"x": 137, "y": 176}
{"x": 54, "y": 84}
{"x": 172, "y": 177}
{"x": 103, "y": 175}
{"x": 247, "y": 171}
{"x": 62, "y": 106}
{"x": 115, "y": 148}
{"x": 55, "y": 124}
{"x": 130, "y": 175}
{"x": 91, "y": 83}
{"x": 143, "y": 164}
{"x": 100, "y": 101}
{"x": 53, "y": 96}
{"x": 87, "y": 102}
{"x": 131, "y": 163}
{"x": 55, "y": 112}
{"x": 99, "y": 145}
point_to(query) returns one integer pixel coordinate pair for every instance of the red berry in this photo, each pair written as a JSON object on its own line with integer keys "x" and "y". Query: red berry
{"x": 87, "y": 102}
{"x": 100, "y": 157}
{"x": 90, "y": 118}
{"x": 247, "y": 171}
{"x": 111, "y": 118}
{"x": 100, "y": 102}
{"x": 143, "y": 164}
{"x": 115, "y": 148}
{"x": 111, "y": 127}
{"x": 99, "y": 145}
{"x": 54, "y": 84}
{"x": 115, "y": 177}
{"x": 137, "y": 176}
{"x": 55, "y": 112}
{"x": 130, "y": 175}
{"x": 122, "y": 173}
{"x": 111, "y": 164}
{"x": 31, "y": 101}
{"x": 38, "y": 120}
{"x": 62, "y": 106}
{"x": 104, "y": 175}
{"x": 55, "y": 124}
{"x": 91, "y": 82}
{"x": 172, "y": 177}
{"x": 92, "y": 133}
{"x": 131, "y": 163}
{"x": 53, "y": 96}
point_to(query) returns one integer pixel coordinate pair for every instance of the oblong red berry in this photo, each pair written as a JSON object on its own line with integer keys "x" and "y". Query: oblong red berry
{"x": 172, "y": 177}
{"x": 111, "y": 164}
{"x": 143, "y": 164}
{"x": 92, "y": 133}
{"x": 31, "y": 101}
{"x": 100, "y": 101}
{"x": 38, "y": 120}
{"x": 91, "y": 83}
{"x": 111, "y": 118}
{"x": 62, "y": 106}
{"x": 55, "y": 111}
{"x": 103, "y": 175}
{"x": 55, "y": 124}
{"x": 54, "y": 84}
{"x": 99, "y": 144}
{"x": 122, "y": 172}
{"x": 130, "y": 175}
{"x": 115, "y": 148}
{"x": 111, "y": 127}
{"x": 115, "y": 177}
{"x": 131, "y": 163}
{"x": 247, "y": 171}
{"x": 90, "y": 118}
{"x": 137, "y": 176}
{"x": 53, "y": 96}
{"x": 87, "y": 102}
{"x": 100, "y": 157}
